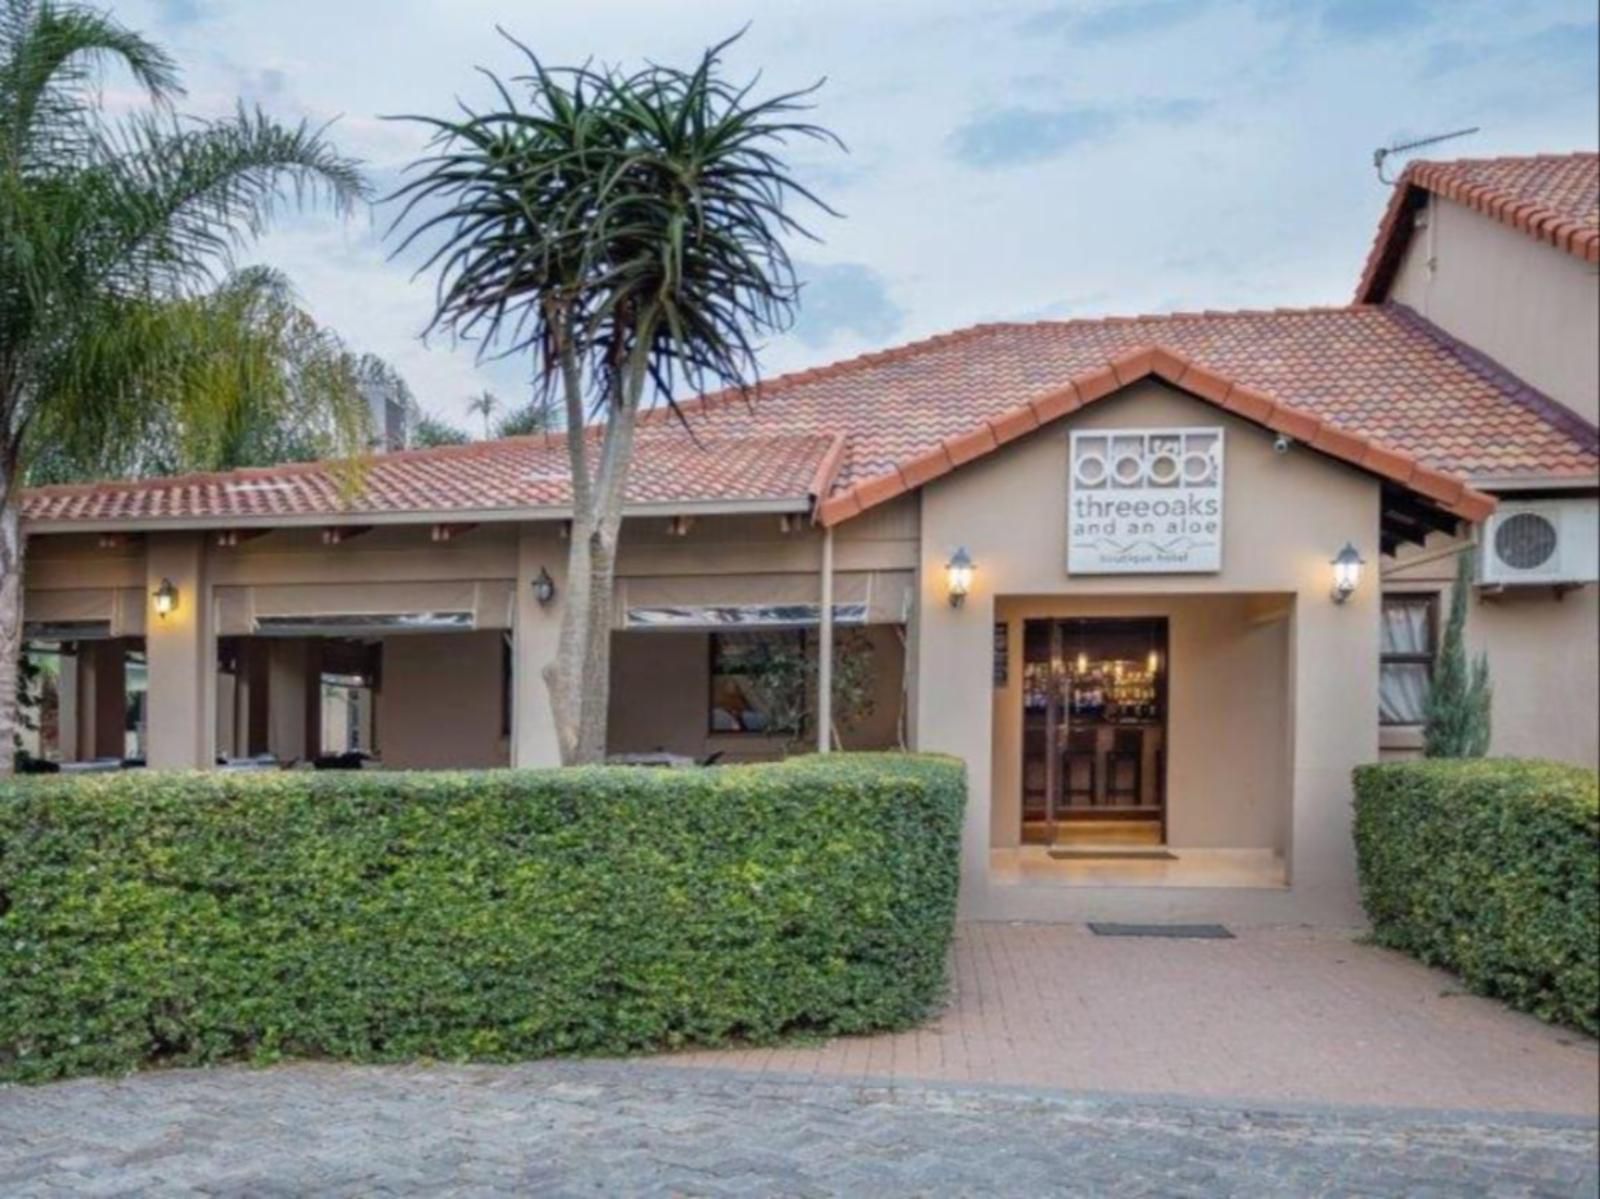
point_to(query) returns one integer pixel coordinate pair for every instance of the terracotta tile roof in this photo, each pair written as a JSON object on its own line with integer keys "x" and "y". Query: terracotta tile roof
{"x": 1378, "y": 372}
{"x": 513, "y": 474}
{"x": 1554, "y": 198}
{"x": 1374, "y": 384}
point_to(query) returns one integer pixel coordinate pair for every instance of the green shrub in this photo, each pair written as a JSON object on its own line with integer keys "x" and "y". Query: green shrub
{"x": 191, "y": 918}
{"x": 1491, "y": 869}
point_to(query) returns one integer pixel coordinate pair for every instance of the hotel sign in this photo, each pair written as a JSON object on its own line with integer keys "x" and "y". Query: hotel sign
{"x": 1145, "y": 501}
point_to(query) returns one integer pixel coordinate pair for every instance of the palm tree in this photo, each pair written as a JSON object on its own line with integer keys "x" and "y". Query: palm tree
{"x": 484, "y": 405}
{"x": 102, "y": 227}
{"x": 274, "y": 386}
{"x": 628, "y": 231}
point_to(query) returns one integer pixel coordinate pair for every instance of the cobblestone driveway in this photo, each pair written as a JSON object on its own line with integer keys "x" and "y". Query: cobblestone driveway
{"x": 639, "y": 1129}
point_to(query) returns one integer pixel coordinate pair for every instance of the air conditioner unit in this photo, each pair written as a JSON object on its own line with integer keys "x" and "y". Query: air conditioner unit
{"x": 1541, "y": 541}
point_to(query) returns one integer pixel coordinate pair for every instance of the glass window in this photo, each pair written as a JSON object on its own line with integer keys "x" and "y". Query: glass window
{"x": 38, "y": 729}
{"x": 1406, "y": 662}
{"x": 758, "y": 682}
{"x": 137, "y": 684}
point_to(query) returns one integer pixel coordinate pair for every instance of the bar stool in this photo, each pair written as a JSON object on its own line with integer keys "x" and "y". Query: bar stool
{"x": 1079, "y": 767}
{"x": 1125, "y": 767}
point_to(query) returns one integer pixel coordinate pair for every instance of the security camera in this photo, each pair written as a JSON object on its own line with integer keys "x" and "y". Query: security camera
{"x": 1281, "y": 444}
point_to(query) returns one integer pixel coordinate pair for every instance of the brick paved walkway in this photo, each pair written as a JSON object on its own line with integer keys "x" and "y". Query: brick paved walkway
{"x": 639, "y": 1129}
{"x": 1135, "y": 1067}
{"x": 1282, "y": 1015}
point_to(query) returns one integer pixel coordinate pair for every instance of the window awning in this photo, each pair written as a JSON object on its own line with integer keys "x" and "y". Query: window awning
{"x": 772, "y": 601}
{"x": 363, "y": 609}
{"x": 83, "y": 613}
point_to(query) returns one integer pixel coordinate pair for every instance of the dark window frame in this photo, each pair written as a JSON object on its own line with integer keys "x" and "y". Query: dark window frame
{"x": 1428, "y": 600}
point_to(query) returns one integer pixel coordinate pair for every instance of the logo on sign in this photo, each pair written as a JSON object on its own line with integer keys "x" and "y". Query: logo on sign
{"x": 1145, "y": 501}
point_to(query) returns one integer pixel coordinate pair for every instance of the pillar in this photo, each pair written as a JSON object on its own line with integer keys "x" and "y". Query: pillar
{"x": 181, "y": 653}
{"x": 67, "y": 720}
{"x": 102, "y": 699}
{"x": 535, "y": 633}
{"x": 288, "y": 713}
{"x": 1334, "y": 695}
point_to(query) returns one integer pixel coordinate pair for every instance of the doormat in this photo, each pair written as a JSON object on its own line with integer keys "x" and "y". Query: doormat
{"x": 1112, "y": 855}
{"x": 1191, "y": 932}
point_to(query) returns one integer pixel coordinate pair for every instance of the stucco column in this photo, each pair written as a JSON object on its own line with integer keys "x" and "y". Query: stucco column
{"x": 182, "y": 654}
{"x": 288, "y": 665}
{"x": 825, "y": 649}
{"x": 534, "y": 635}
{"x": 102, "y": 699}
{"x": 953, "y": 681}
{"x": 67, "y": 719}
{"x": 1334, "y": 688}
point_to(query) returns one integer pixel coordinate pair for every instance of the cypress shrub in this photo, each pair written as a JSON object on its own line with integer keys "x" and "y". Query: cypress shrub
{"x": 153, "y": 918}
{"x": 1456, "y": 722}
{"x": 1489, "y": 868}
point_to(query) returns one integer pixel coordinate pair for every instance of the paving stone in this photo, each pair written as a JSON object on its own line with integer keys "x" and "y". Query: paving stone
{"x": 640, "y": 1129}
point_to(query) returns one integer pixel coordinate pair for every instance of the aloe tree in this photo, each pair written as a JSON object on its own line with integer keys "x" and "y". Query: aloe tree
{"x": 626, "y": 230}
{"x": 102, "y": 225}
{"x": 428, "y": 431}
{"x": 527, "y": 421}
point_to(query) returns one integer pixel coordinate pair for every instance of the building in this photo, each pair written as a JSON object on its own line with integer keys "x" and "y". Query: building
{"x": 1115, "y": 565}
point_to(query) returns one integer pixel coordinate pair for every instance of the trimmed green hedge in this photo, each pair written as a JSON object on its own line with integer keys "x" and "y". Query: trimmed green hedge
{"x": 1490, "y": 868}
{"x": 189, "y": 918}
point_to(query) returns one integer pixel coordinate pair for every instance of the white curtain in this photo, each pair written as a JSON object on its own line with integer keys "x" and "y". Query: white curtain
{"x": 1403, "y": 686}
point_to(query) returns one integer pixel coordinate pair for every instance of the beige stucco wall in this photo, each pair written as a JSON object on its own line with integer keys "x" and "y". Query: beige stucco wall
{"x": 1544, "y": 659}
{"x": 1286, "y": 516}
{"x": 439, "y": 705}
{"x": 1529, "y": 306}
{"x": 1227, "y": 715}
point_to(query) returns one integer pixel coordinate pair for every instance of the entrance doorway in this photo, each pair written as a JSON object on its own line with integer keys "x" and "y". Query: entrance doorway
{"x": 1094, "y": 733}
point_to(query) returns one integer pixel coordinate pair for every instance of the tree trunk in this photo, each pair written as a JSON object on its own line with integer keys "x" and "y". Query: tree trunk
{"x": 565, "y": 672}
{"x": 11, "y": 552}
{"x": 564, "y": 675}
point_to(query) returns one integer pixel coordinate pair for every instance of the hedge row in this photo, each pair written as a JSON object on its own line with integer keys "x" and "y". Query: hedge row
{"x": 190, "y": 918}
{"x": 1490, "y": 869}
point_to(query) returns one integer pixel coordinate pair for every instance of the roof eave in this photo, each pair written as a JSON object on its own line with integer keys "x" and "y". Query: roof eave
{"x": 783, "y": 505}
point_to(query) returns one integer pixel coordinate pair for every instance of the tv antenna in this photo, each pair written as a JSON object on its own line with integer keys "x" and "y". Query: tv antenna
{"x": 1380, "y": 155}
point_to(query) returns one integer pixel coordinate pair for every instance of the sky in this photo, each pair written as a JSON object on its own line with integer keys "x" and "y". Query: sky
{"x": 1024, "y": 160}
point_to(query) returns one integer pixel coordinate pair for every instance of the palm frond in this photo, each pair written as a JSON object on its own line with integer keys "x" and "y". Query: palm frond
{"x": 50, "y": 60}
{"x": 234, "y": 377}
{"x": 186, "y": 194}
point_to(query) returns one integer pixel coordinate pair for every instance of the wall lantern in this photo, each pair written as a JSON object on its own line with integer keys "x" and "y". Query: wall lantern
{"x": 166, "y": 598}
{"x": 1346, "y": 573}
{"x": 958, "y": 576}
{"x": 544, "y": 588}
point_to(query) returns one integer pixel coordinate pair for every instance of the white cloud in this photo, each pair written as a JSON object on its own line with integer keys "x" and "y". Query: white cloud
{"x": 1265, "y": 197}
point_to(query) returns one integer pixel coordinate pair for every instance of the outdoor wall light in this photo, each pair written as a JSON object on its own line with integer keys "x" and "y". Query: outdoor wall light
{"x": 958, "y": 576}
{"x": 544, "y": 588}
{"x": 1347, "y": 566}
{"x": 166, "y": 598}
